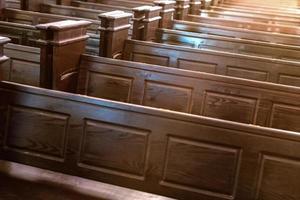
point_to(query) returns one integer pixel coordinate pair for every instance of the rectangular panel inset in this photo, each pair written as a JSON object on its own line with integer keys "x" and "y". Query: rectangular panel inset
{"x": 278, "y": 178}
{"x": 109, "y": 86}
{"x": 36, "y": 132}
{"x": 197, "y": 66}
{"x": 229, "y": 107}
{"x": 247, "y": 73}
{"x": 25, "y": 72}
{"x": 166, "y": 96}
{"x": 285, "y": 117}
{"x": 114, "y": 149}
{"x": 289, "y": 80}
{"x": 150, "y": 59}
{"x": 201, "y": 167}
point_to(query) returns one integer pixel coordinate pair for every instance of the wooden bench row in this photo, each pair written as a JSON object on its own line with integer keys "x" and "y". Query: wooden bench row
{"x": 198, "y": 93}
{"x": 186, "y": 26}
{"x": 174, "y": 154}
{"x": 231, "y": 64}
{"x": 203, "y": 26}
{"x": 158, "y": 151}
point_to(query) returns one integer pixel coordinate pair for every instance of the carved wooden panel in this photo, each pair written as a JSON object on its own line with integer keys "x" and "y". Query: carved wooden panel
{"x": 197, "y": 66}
{"x": 284, "y": 116}
{"x": 104, "y": 147}
{"x": 105, "y": 86}
{"x": 36, "y": 132}
{"x": 23, "y": 66}
{"x": 276, "y": 176}
{"x": 217, "y": 163}
{"x": 230, "y": 107}
{"x": 144, "y": 58}
{"x": 288, "y": 79}
{"x": 259, "y": 75}
{"x": 160, "y": 94}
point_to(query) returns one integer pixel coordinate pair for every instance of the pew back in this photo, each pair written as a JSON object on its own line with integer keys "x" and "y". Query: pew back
{"x": 163, "y": 152}
{"x": 215, "y": 62}
{"x": 228, "y": 44}
{"x": 221, "y": 97}
{"x": 236, "y": 32}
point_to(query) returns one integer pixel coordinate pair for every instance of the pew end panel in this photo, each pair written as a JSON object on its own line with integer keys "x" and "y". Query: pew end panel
{"x": 23, "y": 66}
{"x": 62, "y": 44}
{"x": 113, "y": 32}
{"x": 3, "y": 57}
{"x": 145, "y": 22}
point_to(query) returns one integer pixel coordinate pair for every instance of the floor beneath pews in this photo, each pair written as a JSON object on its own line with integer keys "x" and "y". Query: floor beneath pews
{"x": 20, "y": 182}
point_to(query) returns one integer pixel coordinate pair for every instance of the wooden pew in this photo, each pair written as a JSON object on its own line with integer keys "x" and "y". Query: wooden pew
{"x": 223, "y": 63}
{"x": 24, "y": 181}
{"x": 16, "y": 4}
{"x": 55, "y": 64}
{"x": 99, "y": 6}
{"x": 23, "y": 31}
{"x": 123, "y": 90}
{"x": 34, "y": 18}
{"x": 258, "y": 26}
{"x": 162, "y": 152}
{"x": 236, "y": 32}
{"x": 281, "y": 9}
{"x": 23, "y": 66}
{"x": 291, "y": 4}
{"x": 182, "y": 7}
{"x": 124, "y": 3}
{"x": 252, "y": 17}
{"x": 228, "y": 44}
{"x": 255, "y": 12}
{"x": 3, "y": 57}
{"x": 228, "y": 98}
{"x": 260, "y": 9}
{"x": 71, "y": 11}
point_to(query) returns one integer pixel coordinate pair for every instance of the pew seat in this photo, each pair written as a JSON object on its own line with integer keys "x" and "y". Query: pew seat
{"x": 19, "y": 181}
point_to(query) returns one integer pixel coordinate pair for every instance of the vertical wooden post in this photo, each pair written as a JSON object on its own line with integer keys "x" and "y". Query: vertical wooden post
{"x": 62, "y": 44}
{"x": 3, "y": 58}
{"x": 215, "y": 2}
{"x": 167, "y": 13}
{"x": 32, "y": 5}
{"x": 181, "y": 9}
{"x": 113, "y": 33}
{"x": 2, "y": 6}
{"x": 195, "y": 6}
{"x": 64, "y": 2}
{"x": 206, "y": 4}
{"x": 145, "y": 22}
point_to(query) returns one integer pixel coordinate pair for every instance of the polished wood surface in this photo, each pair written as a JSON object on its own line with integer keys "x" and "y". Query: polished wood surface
{"x": 210, "y": 117}
{"x": 164, "y": 152}
{"x": 23, "y": 65}
{"x": 236, "y": 32}
{"x": 215, "y": 62}
{"x": 20, "y": 181}
{"x": 239, "y": 100}
{"x": 228, "y": 44}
